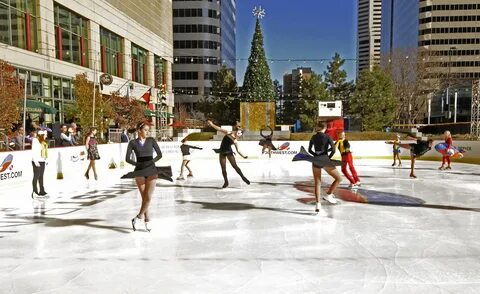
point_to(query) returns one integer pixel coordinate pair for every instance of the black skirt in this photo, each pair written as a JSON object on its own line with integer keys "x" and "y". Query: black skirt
{"x": 224, "y": 152}
{"x": 318, "y": 161}
{"x": 419, "y": 149}
{"x": 147, "y": 169}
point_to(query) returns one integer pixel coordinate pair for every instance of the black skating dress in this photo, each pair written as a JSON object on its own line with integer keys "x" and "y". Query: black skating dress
{"x": 320, "y": 157}
{"x": 145, "y": 162}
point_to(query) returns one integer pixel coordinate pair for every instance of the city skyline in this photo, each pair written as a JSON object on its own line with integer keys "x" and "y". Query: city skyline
{"x": 305, "y": 34}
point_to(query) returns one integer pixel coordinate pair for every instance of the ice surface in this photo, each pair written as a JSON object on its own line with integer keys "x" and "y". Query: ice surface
{"x": 395, "y": 235}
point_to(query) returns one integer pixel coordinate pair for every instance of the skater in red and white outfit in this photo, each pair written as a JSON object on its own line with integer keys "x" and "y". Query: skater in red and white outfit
{"x": 343, "y": 147}
{"x": 446, "y": 157}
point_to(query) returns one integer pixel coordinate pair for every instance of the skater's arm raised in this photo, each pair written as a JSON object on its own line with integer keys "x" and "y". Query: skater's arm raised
{"x": 128, "y": 157}
{"x": 210, "y": 123}
{"x": 157, "y": 150}
{"x": 238, "y": 150}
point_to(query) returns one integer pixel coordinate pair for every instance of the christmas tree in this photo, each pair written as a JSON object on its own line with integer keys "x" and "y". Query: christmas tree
{"x": 258, "y": 85}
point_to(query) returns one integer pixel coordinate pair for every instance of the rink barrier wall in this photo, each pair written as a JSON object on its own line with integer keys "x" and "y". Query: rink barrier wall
{"x": 71, "y": 162}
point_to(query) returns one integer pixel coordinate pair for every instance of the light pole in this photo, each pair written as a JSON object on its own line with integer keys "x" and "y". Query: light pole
{"x": 447, "y": 99}
{"x": 25, "y": 108}
{"x": 455, "y": 107}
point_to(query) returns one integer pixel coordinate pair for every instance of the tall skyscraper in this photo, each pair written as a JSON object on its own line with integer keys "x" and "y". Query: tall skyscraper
{"x": 449, "y": 31}
{"x": 204, "y": 40}
{"x": 369, "y": 33}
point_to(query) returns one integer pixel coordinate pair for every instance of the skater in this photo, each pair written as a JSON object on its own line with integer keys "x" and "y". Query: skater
{"x": 92, "y": 152}
{"x": 145, "y": 173}
{"x": 446, "y": 157}
{"x": 324, "y": 150}
{"x": 343, "y": 147}
{"x": 396, "y": 150}
{"x": 185, "y": 148}
{"x": 266, "y": 142}
{"x": 225, "y": 151}
{"x": 416, "y": 150}
{"x": 39, "y": 158}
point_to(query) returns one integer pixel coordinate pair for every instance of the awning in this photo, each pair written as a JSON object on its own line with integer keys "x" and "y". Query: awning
{"x": 166, "y": 115}
{"x": 35, "y": 106}
{"x": 150, "y": 113}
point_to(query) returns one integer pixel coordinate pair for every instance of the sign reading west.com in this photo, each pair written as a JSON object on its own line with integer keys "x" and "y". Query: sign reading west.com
{"x": 7, "y": 169}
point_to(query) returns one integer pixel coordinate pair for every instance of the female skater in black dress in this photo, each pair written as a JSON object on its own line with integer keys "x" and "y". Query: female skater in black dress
{"x": 225, "y": 152}
{"x": 145, "y": 173}
{"x": 322, "y": 149}
{"x": 417, "y": 150}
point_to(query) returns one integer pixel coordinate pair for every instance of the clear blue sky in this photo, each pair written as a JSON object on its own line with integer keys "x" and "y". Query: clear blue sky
{"x": 297, "y": 29}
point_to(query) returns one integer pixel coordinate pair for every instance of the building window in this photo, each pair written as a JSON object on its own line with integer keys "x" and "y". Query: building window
{"x": 160, "y": 71}
{"x": 111, "y": 52}
{"x": 139, "y": 64}
{"x": 71, "y": 36}
{"x": 185, "y": 75}
{"x": 186, "y": 90}
{"x": 18, "y": 19}
{"x": 187, "y": 12}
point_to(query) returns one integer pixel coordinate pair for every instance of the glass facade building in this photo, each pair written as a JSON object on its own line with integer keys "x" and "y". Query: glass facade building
{"x": 399, "y": 25}
{"x": 49, "y": 42}
{"x": 18, "y": 23}
{"x": 204, "y": 35}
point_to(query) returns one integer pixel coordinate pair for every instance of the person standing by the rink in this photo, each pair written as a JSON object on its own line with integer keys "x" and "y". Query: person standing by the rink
{"x": 185, "y": 148}
{"x": 447, "y": 136}
{"x": 225, "y": 151}
{"x": 39, "y": 158}
{"x": 343, "y": 147}
{"x": 92, "y": 152}
{"x": 323, "y": 144}
{"x": 145, "y": 173}
{"x": 124, "y": 137}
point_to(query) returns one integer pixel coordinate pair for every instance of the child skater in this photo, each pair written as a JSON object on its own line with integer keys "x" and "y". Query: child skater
{"x": 343, "y": 147}
{"x": 396, "y": 150}
{"x": 185, "y": 148}
{"x": 447, "y": 136}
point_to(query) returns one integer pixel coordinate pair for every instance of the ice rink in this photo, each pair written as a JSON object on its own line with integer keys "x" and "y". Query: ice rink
{"x": 393, "y": 235}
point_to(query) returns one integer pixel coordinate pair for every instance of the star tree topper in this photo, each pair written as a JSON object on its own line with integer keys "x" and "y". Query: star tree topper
{"x": 259, "y": 12}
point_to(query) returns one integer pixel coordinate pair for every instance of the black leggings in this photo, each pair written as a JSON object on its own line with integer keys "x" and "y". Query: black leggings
{"x": 223, "y": 164}
{"x": 38, "y": 172}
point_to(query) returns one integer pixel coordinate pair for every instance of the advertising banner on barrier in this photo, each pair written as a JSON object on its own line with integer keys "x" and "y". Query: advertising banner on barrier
{"x": 71, "y": 162}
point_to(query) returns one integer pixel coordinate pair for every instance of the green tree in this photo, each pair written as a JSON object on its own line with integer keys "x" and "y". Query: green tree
{"x": 257, "y": 85}
{"x": 373, "y": 101}
{"x": 313, "y": 89}
{"x": 223, "y": 103}
{"x": 84, "y": 104}
{"x": 11, "y": 94}
{"x": 336, "y": 79}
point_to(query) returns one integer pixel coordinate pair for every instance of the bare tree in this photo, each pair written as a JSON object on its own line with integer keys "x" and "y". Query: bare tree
{"x": 414, "y": 82}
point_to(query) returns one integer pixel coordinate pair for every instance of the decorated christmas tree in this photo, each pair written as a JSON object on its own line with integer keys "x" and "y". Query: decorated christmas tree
{"x": 257, "y": 84}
